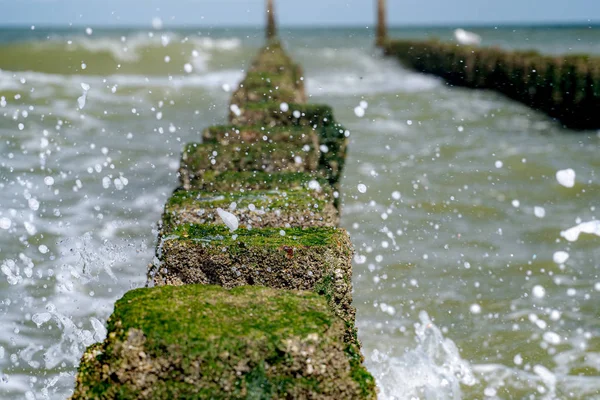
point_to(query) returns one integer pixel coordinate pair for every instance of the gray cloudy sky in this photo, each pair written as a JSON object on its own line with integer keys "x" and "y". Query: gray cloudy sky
{"x": 304, "y": 12}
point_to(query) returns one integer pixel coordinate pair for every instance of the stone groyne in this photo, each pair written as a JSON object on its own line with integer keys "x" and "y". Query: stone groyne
{"x": 567, "y": 88}
{"x": 258, "y": 307}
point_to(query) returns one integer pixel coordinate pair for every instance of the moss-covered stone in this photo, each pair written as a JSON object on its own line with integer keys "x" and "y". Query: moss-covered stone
{"x": 228, "y": 134}
{"x": 244, "y": 95}
{"x": 270, "y": 114}
{"x": 318, "y": 259}
{"x": 205, "y": 342}
{"x": 199, "y": 159}
{"x": 231, "y": 181}
{"x": 273, "y": 60}
{"x": 332, "y": 137}
{"x": 256, "y": 209}
{"x": 260, "y": 86}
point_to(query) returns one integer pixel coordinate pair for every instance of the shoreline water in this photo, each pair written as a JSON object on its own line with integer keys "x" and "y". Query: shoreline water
{"x": 433, "y": 177}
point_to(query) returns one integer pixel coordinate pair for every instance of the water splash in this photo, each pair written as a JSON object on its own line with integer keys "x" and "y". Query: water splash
{"x": 433, "y": 370}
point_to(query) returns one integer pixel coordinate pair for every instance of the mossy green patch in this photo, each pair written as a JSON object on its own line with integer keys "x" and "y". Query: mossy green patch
{"x": 227, "y": 134}
{"x": 332, "y": 137}
{"x": 199, "y": 342}
{"x": 283, "y": 258}
{"x": 244, "y": 95}
{"x": 220, "y": 236}
{"x": 270, "y": 114}
{"x": 257, "y": 209}
{"x": 272, "y": 69}
{"x": 199, "y": 159}
{"x": 231, "y": 181}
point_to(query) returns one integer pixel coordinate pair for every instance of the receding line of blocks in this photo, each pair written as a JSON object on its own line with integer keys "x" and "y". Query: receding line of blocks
{"x": 566, "y": 88}
{"x": 263, "y": 311}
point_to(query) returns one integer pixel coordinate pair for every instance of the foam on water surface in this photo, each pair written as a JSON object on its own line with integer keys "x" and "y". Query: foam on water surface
{"x": 433, "y": 370}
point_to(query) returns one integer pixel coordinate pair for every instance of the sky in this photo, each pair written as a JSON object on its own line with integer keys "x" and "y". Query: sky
{"x": 212, "y": 13}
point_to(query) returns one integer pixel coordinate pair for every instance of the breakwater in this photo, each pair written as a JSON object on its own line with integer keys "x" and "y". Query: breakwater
{"x": 567, "y": 88}
{"x": 251, "y": 294}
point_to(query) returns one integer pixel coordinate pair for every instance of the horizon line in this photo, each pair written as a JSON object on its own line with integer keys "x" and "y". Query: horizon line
{"x": 412, "y": 25}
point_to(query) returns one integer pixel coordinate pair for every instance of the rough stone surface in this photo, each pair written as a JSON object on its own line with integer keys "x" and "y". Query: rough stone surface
{"x": 198, "y": 159}
{"x": 256, "y": 209}
{"x": 318, "y": 259}
{"x": 270, "y": 114}
{"x": 229, "y": 134}
{"x": 232, "y": 181}
{"x": 332, "y": 137}
{"x": 205, "y": 342}
{"x": 265, "y": 86}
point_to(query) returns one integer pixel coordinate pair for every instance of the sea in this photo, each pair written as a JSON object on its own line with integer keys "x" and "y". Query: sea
{"x": 474, "y": 218}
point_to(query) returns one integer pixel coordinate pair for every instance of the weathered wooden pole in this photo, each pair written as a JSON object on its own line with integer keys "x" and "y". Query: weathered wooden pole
{"x": 271, "y": 25}
{"x": 381, "y": 23}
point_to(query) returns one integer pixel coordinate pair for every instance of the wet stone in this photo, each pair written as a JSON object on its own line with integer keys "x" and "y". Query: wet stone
{"x": 269, "y": 114}
{"x": 229, "y": 134}
{"x": 199, "y": 159}
{"x": 318, "y": 259}
{"x": 206, "y": 342}
{"x": 253, "y": 209}
{"x": 265, "y": 86}
{"x": 232, "y": 181}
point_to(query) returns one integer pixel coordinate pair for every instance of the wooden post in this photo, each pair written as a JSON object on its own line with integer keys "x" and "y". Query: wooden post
{"x": 271, "y": 26}
{"x": 381, "y": 23}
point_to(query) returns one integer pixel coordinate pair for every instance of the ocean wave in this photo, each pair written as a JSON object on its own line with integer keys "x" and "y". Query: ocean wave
{"x": 24, "y": 80}
{"x": 433, "y": 370}
{"x": 129, "y": 48}
{"x": 355, "y": 71}
{"x": 140, "y": 53}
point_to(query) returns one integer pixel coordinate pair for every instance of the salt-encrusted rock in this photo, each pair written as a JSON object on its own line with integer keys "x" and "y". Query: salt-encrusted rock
{"x": 261, "y": 86}
{"x": 318, "y": 259}
{"x": 229, "y": 134}
{"x": 199, "y": 159}
{"x": 206, "y": 342}
{"x": 232, "y": 181}
{"x": 332, "y": 137}
{"x": 270, "y": 114}
{"x": 256, "y": 209}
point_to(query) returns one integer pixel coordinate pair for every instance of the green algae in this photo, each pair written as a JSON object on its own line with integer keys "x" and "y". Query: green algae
{"x": 226, "y": 134}
{"x": 284, "y": 258}
{"x": 265, "y": 237}
{"x": 198, "y": 159}
{"x": 295, "y": 208}
{"x": 271, "y": 114}
{"x": 196, "y": 342}
{"x": 233, "y": 181}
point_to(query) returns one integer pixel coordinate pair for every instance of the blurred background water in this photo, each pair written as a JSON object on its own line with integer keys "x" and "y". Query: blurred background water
{"x": 461, "y": 277}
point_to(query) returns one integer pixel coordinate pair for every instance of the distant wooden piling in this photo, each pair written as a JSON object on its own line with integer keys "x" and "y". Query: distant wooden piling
{"x": 564, "y": 87}
{"x": 271, "y": 25}
{"x": 381, "y": 23}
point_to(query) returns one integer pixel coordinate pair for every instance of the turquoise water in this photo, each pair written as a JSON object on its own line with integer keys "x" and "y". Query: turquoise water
{"x": 460, "y": 279}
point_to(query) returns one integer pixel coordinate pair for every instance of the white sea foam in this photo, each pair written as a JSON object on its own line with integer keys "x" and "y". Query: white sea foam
{"x": 433, "y": 370}
{"x": 72, "y": 83}
{"x": 130, "y": 49}
{"x": 366, "y": 75}
{"x": 566, "y": 177}
{"x": 590, "y": 227}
